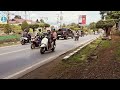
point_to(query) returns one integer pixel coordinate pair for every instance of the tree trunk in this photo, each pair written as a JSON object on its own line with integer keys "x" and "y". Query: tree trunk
{"x": 108, "y": 31}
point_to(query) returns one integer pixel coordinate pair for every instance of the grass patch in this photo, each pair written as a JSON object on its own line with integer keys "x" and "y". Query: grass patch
{"x": 117, "y": 51}
{"x": 83, "y": 54}
{"x": 105, "y": 44}
{"x": 9, "y": 38}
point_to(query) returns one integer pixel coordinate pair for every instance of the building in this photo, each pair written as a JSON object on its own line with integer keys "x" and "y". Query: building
{"x": 20, "y": 21}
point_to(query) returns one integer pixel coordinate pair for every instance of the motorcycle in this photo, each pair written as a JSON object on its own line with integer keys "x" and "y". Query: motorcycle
{"x": 45, "y": 47}
{"x": 24, "y": 40}
{"x": 35, "y": 43}
{"x": 76, "y": 37}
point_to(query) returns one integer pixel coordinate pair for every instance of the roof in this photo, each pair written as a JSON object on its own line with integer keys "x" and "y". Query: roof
{"x": 16, "y": 21}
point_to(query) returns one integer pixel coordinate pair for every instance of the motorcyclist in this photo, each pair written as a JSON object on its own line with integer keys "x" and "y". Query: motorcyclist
{"x": 76, "y": 35}
{"x": 38, "y": 38}
{"x": 24, "y": 34}
{"x": 49, "y": 34}
{"x": 40, "y": 33}
{"x": 54, "y": 36}
{"x": 29, "y": 36}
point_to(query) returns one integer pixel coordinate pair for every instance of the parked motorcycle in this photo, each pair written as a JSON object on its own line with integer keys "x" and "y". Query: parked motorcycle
{"x": 44, "y": 45}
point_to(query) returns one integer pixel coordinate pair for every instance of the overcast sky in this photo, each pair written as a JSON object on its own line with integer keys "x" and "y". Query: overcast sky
{"x": 68, "y": 16}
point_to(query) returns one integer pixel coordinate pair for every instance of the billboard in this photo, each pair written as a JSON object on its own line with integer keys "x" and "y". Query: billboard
{"x": 82, "y": 20}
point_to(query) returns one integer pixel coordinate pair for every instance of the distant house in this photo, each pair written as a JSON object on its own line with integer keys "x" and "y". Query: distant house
{"x": 19, "y": 21}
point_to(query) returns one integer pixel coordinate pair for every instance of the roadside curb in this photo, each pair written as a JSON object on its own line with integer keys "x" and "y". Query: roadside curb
{"x": 80, "y": 47}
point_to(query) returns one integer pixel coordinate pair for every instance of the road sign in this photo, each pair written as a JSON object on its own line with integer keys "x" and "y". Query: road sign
{"x": 3, "y": 19}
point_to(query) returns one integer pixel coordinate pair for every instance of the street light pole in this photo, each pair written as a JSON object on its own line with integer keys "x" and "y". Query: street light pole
{"x": 61, "y": 18}
{"x": 25, "y": 15}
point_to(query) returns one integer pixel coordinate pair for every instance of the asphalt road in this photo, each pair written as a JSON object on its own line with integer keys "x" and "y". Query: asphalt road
{"x": 16, "y": 58}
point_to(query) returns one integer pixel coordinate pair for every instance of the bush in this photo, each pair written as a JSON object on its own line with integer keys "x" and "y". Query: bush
{"x": 7, "y": 29}
{"x": 16, "y": 29}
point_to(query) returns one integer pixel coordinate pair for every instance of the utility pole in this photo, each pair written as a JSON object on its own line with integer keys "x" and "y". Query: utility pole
{"x": 25, "y": 15}
{"x": 8, "y": 17}
{"x": 58, "y": 20}
{"x": 61, "y": 18}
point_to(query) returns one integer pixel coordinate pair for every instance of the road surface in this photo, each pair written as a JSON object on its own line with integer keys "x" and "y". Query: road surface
{"x": 16, "y": 58}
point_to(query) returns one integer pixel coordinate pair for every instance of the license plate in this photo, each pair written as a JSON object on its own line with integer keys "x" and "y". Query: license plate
{"x": 59, "y": 35}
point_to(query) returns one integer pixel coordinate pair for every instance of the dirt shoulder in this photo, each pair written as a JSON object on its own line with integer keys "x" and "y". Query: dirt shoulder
{"x": 99, "y": 60}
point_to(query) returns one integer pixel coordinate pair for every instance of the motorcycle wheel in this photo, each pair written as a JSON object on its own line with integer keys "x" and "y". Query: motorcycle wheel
{"x": 42, "y": 50}
{"x": 22, "y": 42}
{"x": 32, "y": 46}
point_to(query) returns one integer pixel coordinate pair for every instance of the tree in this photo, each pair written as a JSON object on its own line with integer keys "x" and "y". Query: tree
{"x": 102, "y": 13}
{"x": 17, "y": 17}
{"x": 93, "y": 26}
{"x": 111, "y": 15}
{"x": 46, "y": 25}
{"x": 114, "y": 15}
{"x": 7, "y": 29}
{"x": 52, "y": 27}
{"x": 34, "y": 26}
{"x": 42, "y": 21}
{"x": 64, "y": 25}
{"x": 25, "y": 26}
{"x": 73, "y": 24}
{"x": 106, "y": 25}
{"x": 37, "y": 21}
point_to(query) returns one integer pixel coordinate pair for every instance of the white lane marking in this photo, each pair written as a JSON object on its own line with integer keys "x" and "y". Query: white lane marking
{"x": 14, "y": 51}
